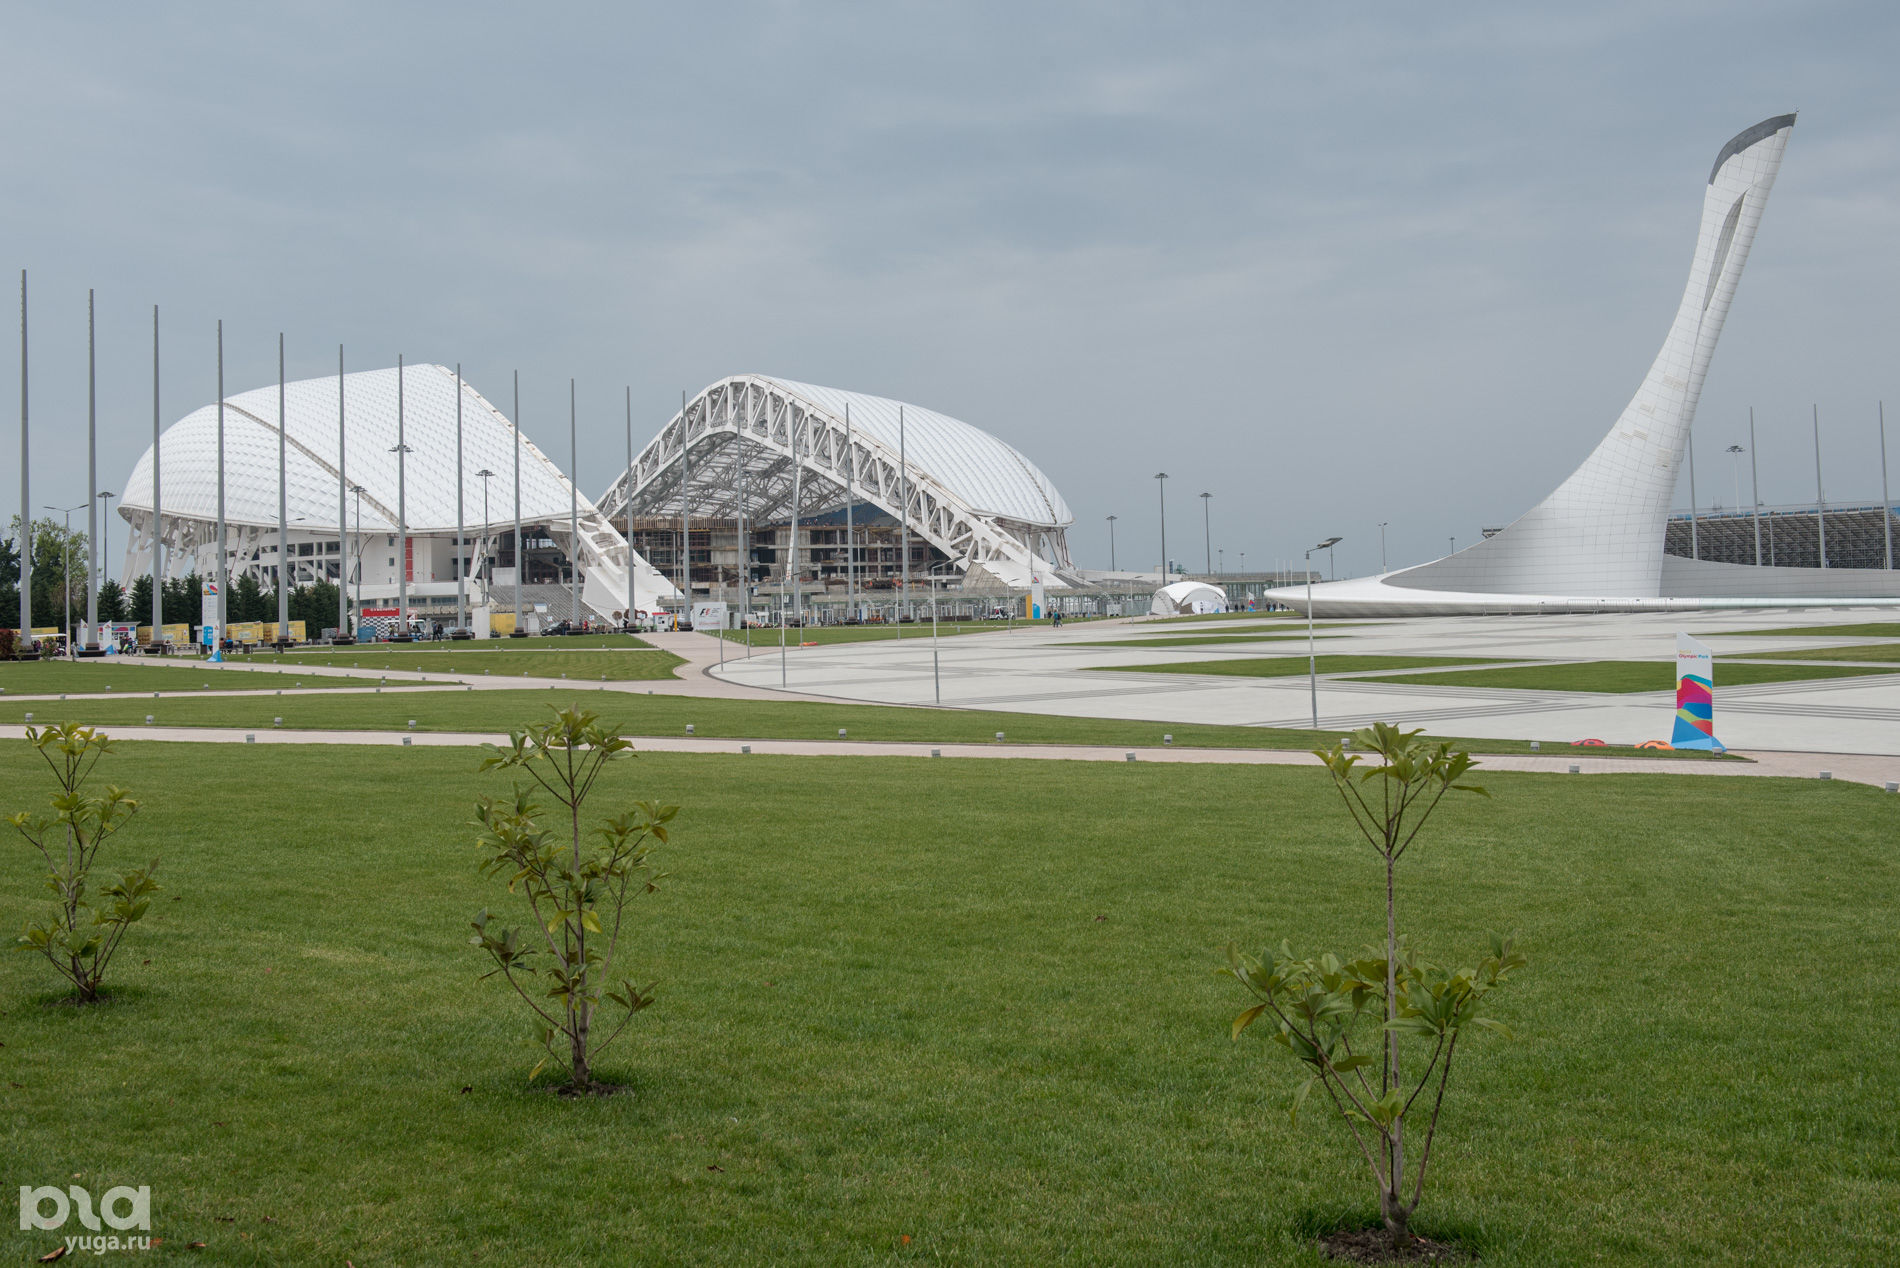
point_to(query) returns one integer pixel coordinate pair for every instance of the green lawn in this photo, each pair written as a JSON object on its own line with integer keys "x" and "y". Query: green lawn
{"x": 1888, "y": 652}
{"x": 625, "y": 664}
{"x": 1289, "y": 665}
{"x": 1621, "y": 676}
{"x": 1866, "y": 629}
{"x": 1202, "y": 640}
{"x": 612, "y": 642}
{"x": 26, "y": 677}
{"x": 828, "y": 634}
{"x": 1236, "y": 615}
{"x": 496, "y": 711}
{"x": 969, "y": 1004}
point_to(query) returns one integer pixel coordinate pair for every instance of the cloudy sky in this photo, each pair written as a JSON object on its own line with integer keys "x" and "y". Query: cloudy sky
{"x": 1334, "y": 264}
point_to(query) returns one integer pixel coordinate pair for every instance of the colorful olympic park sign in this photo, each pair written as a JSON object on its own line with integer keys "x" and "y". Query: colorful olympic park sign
{"x": 1695, "y": 696}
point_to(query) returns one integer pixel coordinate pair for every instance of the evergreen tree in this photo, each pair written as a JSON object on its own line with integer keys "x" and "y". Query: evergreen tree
{"x": 246, "y": 601}
{"x": 139, "y": 606}
{"x": 315, "y": 605}
{"x": 112, "y": 601}
{"x": 10, "y": 577}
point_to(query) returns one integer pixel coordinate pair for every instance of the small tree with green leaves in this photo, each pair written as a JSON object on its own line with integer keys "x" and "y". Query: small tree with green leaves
{"x": 81, "y": 936}
{"x": 577, "y": 885}
{"x": 1325, "y": 1006}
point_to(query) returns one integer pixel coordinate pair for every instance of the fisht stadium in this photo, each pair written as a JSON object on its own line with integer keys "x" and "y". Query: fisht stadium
{"x": 769, "y": 482}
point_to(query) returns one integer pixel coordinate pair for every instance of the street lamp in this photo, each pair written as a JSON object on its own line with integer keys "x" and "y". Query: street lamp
{"x": 1207, "y": 530}
{"x": 1735, "y": 453}
{"x": 1111, "y": 543}
{"x": 65, "y": 563}
{"x": 1161, "y": 482}
{"x": 1382, "y": 524}
{"x": 1312, "y": 661}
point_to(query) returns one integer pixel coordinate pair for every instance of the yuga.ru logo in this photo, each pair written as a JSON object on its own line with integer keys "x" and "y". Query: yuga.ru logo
{"x": 121, "y": 1208}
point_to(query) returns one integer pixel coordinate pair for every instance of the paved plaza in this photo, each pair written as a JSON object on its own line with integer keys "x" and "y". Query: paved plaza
{"x": 1037, "y": 670}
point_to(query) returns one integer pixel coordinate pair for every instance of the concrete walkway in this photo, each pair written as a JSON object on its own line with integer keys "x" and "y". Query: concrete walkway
{"x": 1876, "y": 771}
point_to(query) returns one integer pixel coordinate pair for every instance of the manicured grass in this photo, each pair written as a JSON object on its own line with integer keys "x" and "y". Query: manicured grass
{"x": 1288, "y": 665}
{"x": 1622, "y": 676}
{"x": 1203, "y": 640}
{"x": 966, "y": 1004}
{"x": 1866, "y": 629}
{"x": 1888, "y": 652}
{"x": 26, "y": 677}
{"x": 623, "y": 665}
{"x": 495, "y": 711}
{"x": 620, "y": 642}
{"x": 1221, "y": 616}
{"x": 826, "y": 635}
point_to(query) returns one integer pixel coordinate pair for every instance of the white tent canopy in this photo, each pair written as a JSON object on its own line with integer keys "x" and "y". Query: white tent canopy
{"x": 1188, "y": 598}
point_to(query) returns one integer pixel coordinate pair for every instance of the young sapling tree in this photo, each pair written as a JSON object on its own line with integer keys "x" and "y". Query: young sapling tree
{"x": 577, "y": 884}
{"x": 80, "y": 936}
{"x": 1325, "y": 1005}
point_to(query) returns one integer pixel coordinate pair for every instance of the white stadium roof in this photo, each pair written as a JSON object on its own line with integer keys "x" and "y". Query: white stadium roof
{"x": 993, "y": 477}
{"x": 189, "y": 476}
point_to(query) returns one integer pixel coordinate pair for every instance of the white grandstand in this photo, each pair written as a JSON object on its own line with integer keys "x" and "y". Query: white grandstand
{"x": 347, "y": 497}
{"x": 749, "y": 455}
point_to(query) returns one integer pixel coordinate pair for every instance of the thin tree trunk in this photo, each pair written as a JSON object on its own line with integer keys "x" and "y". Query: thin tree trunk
{"x": 1392, "y": 1201}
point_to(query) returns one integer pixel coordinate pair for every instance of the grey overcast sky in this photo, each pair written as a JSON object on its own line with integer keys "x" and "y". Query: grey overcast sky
{"x": 1334, "y": 264}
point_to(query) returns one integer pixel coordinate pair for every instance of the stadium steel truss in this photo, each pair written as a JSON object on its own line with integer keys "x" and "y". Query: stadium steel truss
{"x": 747, "y": 446}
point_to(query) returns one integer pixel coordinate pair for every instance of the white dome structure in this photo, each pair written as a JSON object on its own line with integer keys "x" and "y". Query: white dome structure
{"x": 1184, "y": 598}
{"x": 326, "y": 448}
{"x": 758, "y": 450}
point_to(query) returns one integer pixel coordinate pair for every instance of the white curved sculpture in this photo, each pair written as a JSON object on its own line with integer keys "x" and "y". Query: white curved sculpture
{"x": 1596, "y": 543}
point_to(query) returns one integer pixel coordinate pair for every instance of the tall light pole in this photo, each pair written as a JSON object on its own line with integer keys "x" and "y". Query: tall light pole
{"x": 92, "y": 480}
{"x": 105, "y": 528}
{"x": 1735, "y": 453}
{"x": 224, "y": 580}
{"x": 348, "y": 625}
{"x": 283, "y": 508}
{"x": 1161, "y": 483}
{"x": 1820, "y": 495}
{"x": 1312, "y": 660}
{"x": 488, "y": 546}
{"x": 401, "y": 450}
{"x": 1886, "y": 500}
{"x": 1111, "y": 543}
{"x": 1207, "y": 529}
{"x": 461, "y": 560}
{"x": 344, "y": 628}
{"x": 629, "y": 618}
{"x": 574, "y": 513}
{"x": 66, "y": 565}
{"x": 1382, "y": 524}
{"x": 26, "y": 498}
{"x": 515, "y": 423}
{"x": 158, "y": 503}
{"x": 1754, "y": 484}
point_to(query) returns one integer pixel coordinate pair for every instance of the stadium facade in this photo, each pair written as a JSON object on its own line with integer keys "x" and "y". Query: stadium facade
{"x": 862, "y": 477}
{"x": 1598, "y": 542}
{"x": 878, "y": 491}
{"x": 398, "y": 526}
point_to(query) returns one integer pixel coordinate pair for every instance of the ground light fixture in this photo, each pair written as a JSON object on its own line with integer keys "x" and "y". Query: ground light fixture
{"x": 1312, "y": 661}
